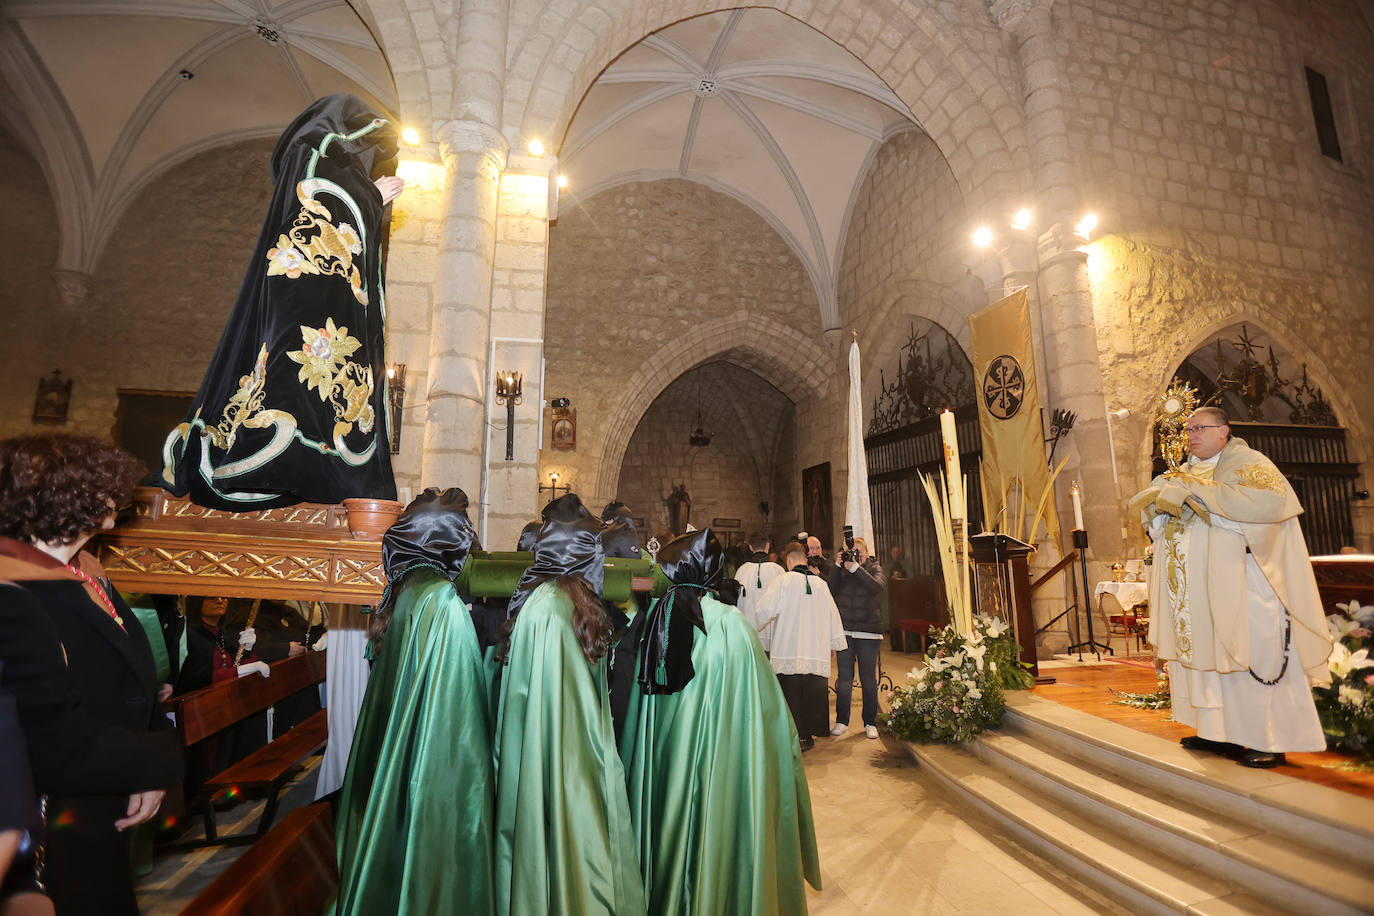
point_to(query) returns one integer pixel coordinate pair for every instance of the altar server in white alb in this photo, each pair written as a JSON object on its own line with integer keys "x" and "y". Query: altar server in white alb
{"x": 754, "y": 577}
{"x": 1235, "y": 610}
{"x": 799, "y": 625}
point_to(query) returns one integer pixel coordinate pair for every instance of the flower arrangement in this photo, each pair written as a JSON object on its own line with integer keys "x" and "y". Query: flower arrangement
{"x": 958, "y": 693}
{"x": 1346, "y": 705}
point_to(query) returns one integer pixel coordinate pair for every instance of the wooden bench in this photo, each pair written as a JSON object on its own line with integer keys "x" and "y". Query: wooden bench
{"x": 203, "y": 713}
{"x": 292, "y": 871}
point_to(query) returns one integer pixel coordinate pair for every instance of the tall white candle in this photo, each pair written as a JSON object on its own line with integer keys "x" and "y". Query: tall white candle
{"x": 1077, "y": 508}
{"x": 953, "y": 475}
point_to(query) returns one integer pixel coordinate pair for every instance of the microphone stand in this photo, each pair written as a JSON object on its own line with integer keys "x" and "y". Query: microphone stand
{"x": 1080, "y": 541}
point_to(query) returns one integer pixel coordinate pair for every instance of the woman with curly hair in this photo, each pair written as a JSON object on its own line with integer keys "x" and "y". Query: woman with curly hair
{"x": 79, "y": 667}
{"x": 564, "y": 841}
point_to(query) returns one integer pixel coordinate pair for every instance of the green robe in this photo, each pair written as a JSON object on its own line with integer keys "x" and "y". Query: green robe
{"x": 564, "y": 844}
{"x": 719, "y": 799}
{"x": 415, "y": 817}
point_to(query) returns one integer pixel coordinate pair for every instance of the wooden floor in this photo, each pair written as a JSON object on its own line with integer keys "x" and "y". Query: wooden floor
{"x": 1088, "y": 689}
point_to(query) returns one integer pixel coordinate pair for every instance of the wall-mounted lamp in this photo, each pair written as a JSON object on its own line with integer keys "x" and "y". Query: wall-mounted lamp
{"x": 1085, "y": 226}
{"x": 982, "y": 237}
{"x": 509, "y": 388}
{"x": 396, "y": 399}
{"x": 554, "y": 485}
{"x": 410, "y": 136}
{"x": 1022, "y": 220}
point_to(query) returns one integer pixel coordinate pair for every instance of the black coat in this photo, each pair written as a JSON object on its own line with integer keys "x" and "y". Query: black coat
{"x": 858, "y": 596}
{"x": 86, "y": 697}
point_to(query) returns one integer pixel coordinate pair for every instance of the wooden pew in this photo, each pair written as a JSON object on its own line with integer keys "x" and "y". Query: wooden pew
{"x": 291, "y": 871}
{"x": 204, "y": 713}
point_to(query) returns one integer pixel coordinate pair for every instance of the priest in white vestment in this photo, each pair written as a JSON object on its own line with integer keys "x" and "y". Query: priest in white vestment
{"x": 754, "y": 577}
{"x": 1235, "y": 612}
{"x": 799, "y": 626}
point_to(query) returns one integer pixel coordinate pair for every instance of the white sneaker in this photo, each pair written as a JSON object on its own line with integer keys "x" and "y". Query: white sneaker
{"x": 839, "y": 729}
{"x": 871, "y": 731}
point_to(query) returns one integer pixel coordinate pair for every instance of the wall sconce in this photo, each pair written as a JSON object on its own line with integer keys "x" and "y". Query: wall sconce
{"x": 554, "y": 485}
{"x": 509, "y": 387}
{"x": 396, "y": 398}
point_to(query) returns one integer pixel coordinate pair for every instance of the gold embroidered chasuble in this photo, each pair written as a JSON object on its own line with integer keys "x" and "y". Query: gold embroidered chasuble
{"x": 1198, "y": 593}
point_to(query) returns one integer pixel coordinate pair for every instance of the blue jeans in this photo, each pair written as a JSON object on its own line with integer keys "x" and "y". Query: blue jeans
{"x": 867, "y": 652}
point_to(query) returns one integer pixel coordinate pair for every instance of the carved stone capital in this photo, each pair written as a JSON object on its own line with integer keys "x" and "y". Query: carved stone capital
{"x": 457, "y": 138}
{"x": 1011, "y": 14}
{"x": 72, "y": 286}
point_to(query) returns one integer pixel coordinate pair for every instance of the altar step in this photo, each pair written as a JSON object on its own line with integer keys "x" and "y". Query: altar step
{"x": 1160, "y": 829}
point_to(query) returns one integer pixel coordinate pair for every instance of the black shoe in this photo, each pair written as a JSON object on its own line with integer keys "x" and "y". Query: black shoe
{"x": 806, "y": 742}
{"x": 1262, "y": 760}
{"x": 1195, "y": 743}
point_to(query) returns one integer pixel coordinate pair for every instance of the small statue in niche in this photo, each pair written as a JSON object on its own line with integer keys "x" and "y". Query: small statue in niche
{"x": 679, "y": 504}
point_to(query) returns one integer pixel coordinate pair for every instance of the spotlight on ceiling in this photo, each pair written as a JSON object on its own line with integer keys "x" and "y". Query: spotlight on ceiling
{"x": 536, "y": 148}
{"x": 186, "y": 75}
{"x": 410, "y": 136}
{"x": 1022, "y": 220}
{"x": 562, "y": 181}
{"x": 1086, "y": 225}
{"x": 982, "y": 237}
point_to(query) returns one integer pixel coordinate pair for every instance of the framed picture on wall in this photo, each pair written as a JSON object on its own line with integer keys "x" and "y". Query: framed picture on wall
{"x": 817, "y": 516}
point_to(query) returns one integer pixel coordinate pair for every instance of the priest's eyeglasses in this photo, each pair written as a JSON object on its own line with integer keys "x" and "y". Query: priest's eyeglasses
{"x": 1193, "y": 429}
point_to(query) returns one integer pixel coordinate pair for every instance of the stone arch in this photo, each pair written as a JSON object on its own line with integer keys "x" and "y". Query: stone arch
{"x": 777, "y": 352}
{"x": 937, "y": 67}
{"x": 1180, "y": 348}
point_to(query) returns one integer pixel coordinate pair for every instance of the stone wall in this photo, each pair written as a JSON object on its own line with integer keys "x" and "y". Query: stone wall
{"x": 728, "y": 478}
{"x": 28, "y": 350}
{"x": 643, "y": 266}
{"x": 1196, "y": 143}
{"x": 159, "y": 297}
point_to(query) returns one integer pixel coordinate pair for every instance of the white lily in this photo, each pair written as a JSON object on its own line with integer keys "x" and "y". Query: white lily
{"x": 1352, "y": 696}
{"x": 975, "y": 694}
{"x": 976, "y": 653}
{"x": 1342, "y": 661}
{"x": 1340, "y": 627}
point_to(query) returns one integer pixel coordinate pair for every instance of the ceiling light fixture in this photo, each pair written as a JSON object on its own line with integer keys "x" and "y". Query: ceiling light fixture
{"x": 1022, "y": 220}
{"x": 562, "y": 181}
{"x": 1086, "y": 225}
{"x": 410, "y": 136}
{"x": 982, "y": 237}
{"x": 536, "y": 148}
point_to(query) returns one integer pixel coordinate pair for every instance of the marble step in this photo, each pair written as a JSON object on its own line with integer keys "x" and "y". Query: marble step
{"x": 1303, "y": 815}
{"x": 1137, "y": 876}
{"x": 1237, "y": 852}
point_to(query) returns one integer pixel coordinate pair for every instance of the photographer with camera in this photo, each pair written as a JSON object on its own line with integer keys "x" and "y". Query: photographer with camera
{"x": 856, "y": 582}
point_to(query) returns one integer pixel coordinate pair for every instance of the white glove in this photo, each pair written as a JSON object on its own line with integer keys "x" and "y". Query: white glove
{"x": 254, "y": 668}
{"x": 248, "y": 639}
{"x": 322, "y": 643}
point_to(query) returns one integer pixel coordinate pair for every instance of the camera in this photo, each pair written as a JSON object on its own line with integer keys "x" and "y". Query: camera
{"x": 849, "y": 554}
{"x": 560, "y": 402}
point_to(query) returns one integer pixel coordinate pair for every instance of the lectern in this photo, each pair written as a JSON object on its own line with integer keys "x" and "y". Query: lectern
{"x": 1002, "y": 589}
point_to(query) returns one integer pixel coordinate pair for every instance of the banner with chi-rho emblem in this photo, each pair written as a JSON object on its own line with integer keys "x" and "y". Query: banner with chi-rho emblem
{"x": 1009, "y": 411}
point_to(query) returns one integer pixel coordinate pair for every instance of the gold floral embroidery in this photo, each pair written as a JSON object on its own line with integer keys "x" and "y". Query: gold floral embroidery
{"x": 1177, "y": 579}
{"x": 243, "y": 404}
{"x": 1260, "y": 477}
{"x": 316, "y": 245}
{"x": 323, "y": 353}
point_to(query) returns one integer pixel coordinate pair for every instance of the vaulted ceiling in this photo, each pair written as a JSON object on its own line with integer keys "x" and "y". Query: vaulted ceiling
{"x": 750, "y": 102}
{"x": 108, "y": 93}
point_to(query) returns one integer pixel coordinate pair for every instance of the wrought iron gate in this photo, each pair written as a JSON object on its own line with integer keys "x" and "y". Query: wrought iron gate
{"x": 901, "y": 512}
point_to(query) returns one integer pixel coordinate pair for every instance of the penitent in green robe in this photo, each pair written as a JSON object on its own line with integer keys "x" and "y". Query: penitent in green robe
{"x": 564, "y": 844}
{"x": 718, "y": 796}
{"x": 415, "y": 816}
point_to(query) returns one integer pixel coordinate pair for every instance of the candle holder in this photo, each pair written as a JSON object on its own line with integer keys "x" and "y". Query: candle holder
{"x": 509, "y": 388}
{"x": 396, "y": 398}
{"x": 554, "y": 486}
{"x": 1080, "y": 542}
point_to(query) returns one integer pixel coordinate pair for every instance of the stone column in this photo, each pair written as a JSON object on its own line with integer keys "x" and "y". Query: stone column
{"x": 1065, "y": 300}
{"x": 528, "y": 202}
{"x": 473, "y": 152}
{"x": 473, "y": 155}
